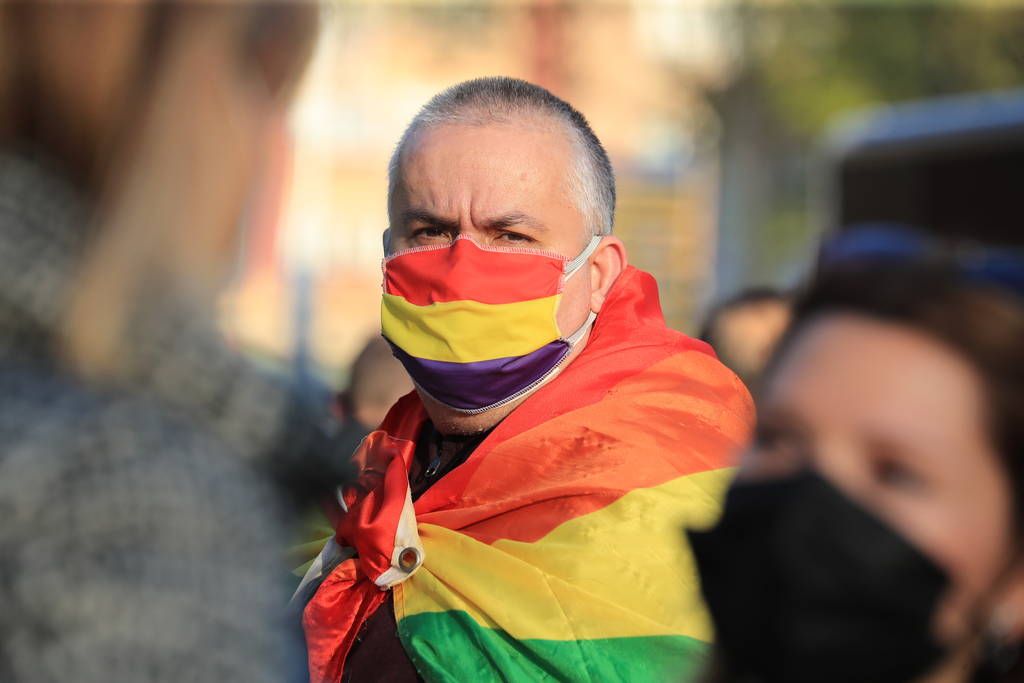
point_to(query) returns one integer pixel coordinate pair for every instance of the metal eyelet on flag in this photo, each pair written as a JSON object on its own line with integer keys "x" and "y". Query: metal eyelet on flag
{"x": 409, "y": 559}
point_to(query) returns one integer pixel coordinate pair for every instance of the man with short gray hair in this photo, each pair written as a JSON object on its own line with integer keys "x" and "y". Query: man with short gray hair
{"x": 591, "y": 180}
{"x": 518, "y": 515}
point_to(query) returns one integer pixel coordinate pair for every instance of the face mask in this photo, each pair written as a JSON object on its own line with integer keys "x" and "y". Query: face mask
{"x": 805, "y": 586}
{"x": 475, "y": 327}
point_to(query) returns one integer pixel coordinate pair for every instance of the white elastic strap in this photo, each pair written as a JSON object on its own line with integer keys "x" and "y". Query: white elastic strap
{"x": 570, "y": 269}
{"x": 575, "y": 264}
{"x": 576, "y": 336}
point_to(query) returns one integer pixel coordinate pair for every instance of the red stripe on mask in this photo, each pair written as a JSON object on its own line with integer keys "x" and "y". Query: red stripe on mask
{"x": 467, "y": 272}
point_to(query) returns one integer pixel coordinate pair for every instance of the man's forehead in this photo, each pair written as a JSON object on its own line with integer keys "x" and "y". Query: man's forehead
{"x": 472, "y": 145}
{"x": 501, "y": 168}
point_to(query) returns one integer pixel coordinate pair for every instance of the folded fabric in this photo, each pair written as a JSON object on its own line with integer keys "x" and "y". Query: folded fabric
{"x": 555, "y": 552}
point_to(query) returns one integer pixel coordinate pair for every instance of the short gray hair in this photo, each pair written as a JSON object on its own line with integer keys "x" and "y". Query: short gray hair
{"x": 500, "y": 99}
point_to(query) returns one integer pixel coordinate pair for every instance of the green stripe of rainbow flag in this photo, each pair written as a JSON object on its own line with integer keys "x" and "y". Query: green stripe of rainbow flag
{"x": 483, "y": 651}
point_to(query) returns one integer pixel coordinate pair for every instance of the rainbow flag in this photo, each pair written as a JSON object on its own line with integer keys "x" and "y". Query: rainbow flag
{"x": 556, "y": 551}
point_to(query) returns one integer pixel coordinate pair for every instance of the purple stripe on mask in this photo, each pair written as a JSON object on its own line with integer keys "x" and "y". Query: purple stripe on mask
{"x": 472, "y": 386}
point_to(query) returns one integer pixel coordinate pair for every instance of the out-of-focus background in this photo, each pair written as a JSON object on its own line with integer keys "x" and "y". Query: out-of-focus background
{"x": 713, "y": 113}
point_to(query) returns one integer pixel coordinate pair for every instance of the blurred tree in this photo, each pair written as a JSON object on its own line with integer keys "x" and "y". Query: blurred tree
{"x": 826, "y": 59}
{"x": 795, "y": 69}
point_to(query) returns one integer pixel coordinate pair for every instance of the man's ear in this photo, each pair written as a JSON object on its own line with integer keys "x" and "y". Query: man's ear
{"x": 386, "y": 239}
{"x": 607, "y": 263}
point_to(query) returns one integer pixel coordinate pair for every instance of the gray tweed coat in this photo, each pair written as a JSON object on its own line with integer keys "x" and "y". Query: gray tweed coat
{"x": 140, "y": 526}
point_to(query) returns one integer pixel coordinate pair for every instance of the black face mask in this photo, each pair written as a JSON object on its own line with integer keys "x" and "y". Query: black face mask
{"x": 804, "y": 586}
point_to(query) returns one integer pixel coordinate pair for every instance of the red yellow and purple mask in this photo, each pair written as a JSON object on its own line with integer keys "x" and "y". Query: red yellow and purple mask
{"x": 475, "y": 327}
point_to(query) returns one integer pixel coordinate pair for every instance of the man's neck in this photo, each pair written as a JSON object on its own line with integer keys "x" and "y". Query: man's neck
{"x": 437, "y": 455}
{"x": 452, "y": 423}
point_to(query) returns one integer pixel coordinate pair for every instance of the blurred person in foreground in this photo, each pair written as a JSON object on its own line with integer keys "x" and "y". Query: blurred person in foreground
{"x": 875, "y": 533}
{"x": 141, "y": 521}
{"x": 518, "y": 515}
{"x": 744, "y": 329}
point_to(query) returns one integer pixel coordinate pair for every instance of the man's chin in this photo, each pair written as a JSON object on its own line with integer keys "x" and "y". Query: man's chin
{"x": 449, "y": 421}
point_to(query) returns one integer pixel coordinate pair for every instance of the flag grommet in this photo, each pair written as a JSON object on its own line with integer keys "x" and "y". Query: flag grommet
{"x": 409, "y": 559}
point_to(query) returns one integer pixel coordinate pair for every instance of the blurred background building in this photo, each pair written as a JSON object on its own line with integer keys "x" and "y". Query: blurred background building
{"x": 712, "y": 112}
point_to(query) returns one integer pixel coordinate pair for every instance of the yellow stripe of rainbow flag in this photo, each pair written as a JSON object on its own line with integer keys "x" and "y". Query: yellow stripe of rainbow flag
{"x": 576, "y": 567}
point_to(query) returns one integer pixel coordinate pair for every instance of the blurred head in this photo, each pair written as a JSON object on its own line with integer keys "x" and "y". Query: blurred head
{"x": 376, "y": 382}
{"x": 744, "y": 329}
{"x": 902, "y": 384}
{"x": 56, "y": 102}
{"x": 163, "y": 128}
{"x": 82, "y": 113}
{"x": 511, "y": 166}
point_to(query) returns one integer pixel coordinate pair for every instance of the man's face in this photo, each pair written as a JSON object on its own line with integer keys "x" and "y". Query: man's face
{"x": 503, "y": 185}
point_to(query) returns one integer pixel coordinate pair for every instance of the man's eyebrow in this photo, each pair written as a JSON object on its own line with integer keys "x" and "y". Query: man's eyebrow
{"x": 422, "y": 216}
{"x": 511, "y": 220}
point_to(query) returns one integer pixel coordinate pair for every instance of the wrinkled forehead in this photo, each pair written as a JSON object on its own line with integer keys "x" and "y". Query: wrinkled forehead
{"x": 527, "y": 160}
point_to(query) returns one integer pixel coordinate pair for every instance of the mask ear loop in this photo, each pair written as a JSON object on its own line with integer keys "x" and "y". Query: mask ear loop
{"x": 571, "y": 268}
{"x": 576, "y": 263}
{"x": 574, "y": 339}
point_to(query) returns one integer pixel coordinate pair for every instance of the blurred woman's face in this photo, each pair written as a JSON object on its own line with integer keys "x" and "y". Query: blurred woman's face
{"x": 897, "y": 421}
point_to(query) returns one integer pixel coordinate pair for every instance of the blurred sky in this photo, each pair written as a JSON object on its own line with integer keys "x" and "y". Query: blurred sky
{"x": 712, "y": 113}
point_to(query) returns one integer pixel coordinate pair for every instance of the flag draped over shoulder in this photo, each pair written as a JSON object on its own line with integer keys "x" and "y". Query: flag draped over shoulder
{"x": 556, "y": 550}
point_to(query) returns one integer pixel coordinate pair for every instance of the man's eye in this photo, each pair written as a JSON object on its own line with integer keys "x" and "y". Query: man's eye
{"x": 514, "y": 237}
{"x": 429, "y": 233}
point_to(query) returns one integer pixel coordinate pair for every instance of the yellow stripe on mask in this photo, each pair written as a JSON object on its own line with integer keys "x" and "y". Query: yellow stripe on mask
{"x": 622, "y": 571}
{"x": 467, "y": 331}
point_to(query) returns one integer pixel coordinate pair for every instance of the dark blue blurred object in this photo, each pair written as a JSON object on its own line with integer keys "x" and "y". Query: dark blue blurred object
{"x": 882, "y": 243}
{"x": 955, "y": 165}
